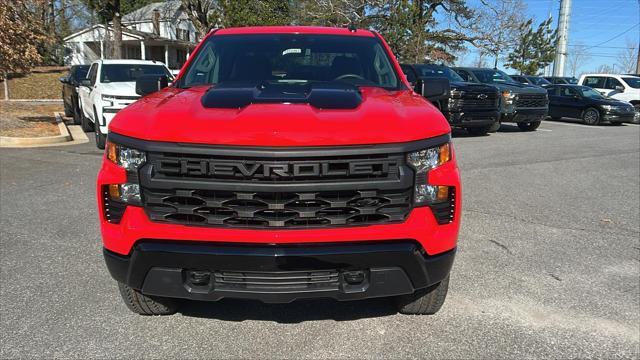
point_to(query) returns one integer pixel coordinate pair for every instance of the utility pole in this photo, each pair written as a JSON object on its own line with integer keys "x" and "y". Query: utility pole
{"x": 563, "y": 38}
{"x": 638, "y": 60}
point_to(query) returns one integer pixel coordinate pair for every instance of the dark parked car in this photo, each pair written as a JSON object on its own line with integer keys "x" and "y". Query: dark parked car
{"x": 531, "y": 80}
{"x": 526, "y": 105}
{"x": 474, "y": 107}
{"x": 70, "y": 83}
{"x": 562, "y": 80}
{"x": 583, "y": 102}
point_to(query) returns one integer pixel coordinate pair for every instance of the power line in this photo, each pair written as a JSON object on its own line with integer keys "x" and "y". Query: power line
{"x": 615, "y": 37}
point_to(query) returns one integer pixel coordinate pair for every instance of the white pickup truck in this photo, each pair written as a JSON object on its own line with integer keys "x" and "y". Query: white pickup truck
{"x": 109, "y": 87}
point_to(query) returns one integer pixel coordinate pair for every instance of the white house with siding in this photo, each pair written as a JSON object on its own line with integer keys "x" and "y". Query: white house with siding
{"x": 160, "y": 31}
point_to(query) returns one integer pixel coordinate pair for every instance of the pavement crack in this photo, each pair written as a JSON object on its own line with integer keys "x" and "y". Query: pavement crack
{"x": 504, "y": 247}
{"x": 556, "y": 277}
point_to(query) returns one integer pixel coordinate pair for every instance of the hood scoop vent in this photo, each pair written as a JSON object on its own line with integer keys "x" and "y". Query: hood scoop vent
{"x": 321, "y": 95}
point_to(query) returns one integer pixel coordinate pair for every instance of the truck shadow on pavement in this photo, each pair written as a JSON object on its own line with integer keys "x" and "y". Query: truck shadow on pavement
{"x": 295, "y": 312}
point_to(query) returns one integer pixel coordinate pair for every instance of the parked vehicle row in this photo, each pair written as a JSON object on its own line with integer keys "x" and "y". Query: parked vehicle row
{"x": 94, "y": 94}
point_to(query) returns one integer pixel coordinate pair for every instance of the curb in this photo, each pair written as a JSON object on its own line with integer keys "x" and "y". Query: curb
{"x": 32, "y": 100}
{"x": 65, "y": 136}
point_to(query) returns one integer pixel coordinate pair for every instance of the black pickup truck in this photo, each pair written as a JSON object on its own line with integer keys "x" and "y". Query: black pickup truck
{"x": 525, "y": 105}
{"x": 474, "y": 107}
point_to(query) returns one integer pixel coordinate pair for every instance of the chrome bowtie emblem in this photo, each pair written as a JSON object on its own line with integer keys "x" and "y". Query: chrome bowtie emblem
{"x": 482, "y": 96}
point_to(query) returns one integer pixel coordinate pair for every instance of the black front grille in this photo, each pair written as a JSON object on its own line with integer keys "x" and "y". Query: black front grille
{"x": 531, "y": 101}
{"x": 277, "y": 209}
{"x": 274, "y": 281}
{"x": 276, "y": 188}
{"x": 478, "y": 101}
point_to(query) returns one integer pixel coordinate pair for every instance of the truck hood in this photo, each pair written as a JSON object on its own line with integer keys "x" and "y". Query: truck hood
{"x": 521, "y": 88}
{"x": 468, "y": 86}
{"x": 177, "y": 115}
{"x": 119, "y": 88}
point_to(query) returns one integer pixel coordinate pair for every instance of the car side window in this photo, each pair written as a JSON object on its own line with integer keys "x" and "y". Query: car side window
{"x": 463, "y": 74}
{"x": 594, "y": 82}
{"x": 567, "y": 92}
{"x": 93, "y": 72}
{"x": 612, "y": 83}
{"x": 552, "y": 91}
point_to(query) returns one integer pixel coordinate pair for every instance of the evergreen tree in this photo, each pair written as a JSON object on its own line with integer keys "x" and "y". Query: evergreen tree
{"x": 535, "y": 48}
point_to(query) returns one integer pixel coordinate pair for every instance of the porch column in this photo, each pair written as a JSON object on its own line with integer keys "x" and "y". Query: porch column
{"x": 143, "y": 56}
{"x": 101, "y": 49}
{"x": 166, "y": 55}
{"x": 188, "y": 54}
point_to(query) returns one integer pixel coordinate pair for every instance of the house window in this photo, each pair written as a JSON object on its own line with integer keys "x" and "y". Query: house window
{"x": 181, "y": 57}
{"x": 182, "y": 34}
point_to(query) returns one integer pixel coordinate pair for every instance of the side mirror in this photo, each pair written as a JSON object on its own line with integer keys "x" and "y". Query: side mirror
{"x": 85, "y": 82}
{"x": 433, "y": 88}
{"x": 620, "y": 88}
{"x": 64, "y": 79}
{"x": 148, "y": 84}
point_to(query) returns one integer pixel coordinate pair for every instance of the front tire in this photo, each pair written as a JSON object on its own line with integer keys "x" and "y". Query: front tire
{"x": 479, "y": 131}
{"x": 101, "y": 139}
{"x": 591, "y": 116}
{"x": 146, "y": 304}
{"x": 495, "y": 127}
{"x": 529, "y": 126}
{"x": 85, "y": 123}
{"x": 427, "y": 301}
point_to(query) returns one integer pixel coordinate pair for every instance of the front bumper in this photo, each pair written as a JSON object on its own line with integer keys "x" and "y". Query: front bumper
{"x": 472, "y": 118}
{"x": 278, "y": 273}
{"x": 619, "y": 117}
{"x": 525, "y": 115}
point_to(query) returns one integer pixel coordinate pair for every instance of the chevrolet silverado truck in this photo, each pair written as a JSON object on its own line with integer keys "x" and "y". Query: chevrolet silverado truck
{"x": 525, "y": 105}
{"x": 283, "y": 163}
{"x": 474, "y": 107}
{"x": 108, "y": 88}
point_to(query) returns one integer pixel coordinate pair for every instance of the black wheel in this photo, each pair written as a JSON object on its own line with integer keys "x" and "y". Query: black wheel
{"x": 479, "y": 131}
{"x": 67, "y": 110}
{"x": 529, "y": 126}
{"x": 591, "y": 116}
{"x": 85, "y": 123}
{"x": 495, "y": 127}
{"x": 636, "y": 119}
{"x": 101, "y": 139}
{"x": 77, "y": 120}
{"x": 147, "y": 304}
{"x": 424, "y": 301}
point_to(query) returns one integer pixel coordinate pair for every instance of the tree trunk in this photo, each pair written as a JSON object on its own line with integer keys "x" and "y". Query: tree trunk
{"x": 6, "y": 86}
{"x": 117, "y": 31}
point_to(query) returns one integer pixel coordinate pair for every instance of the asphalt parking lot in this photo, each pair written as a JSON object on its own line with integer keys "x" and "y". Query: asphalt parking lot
{"x": 548, "y": 266}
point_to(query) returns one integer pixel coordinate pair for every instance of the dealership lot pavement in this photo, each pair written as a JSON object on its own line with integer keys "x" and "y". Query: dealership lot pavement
{"x": 548, "y": 266}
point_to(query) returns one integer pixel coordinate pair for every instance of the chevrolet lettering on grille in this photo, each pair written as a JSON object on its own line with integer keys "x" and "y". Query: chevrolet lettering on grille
{"x": 215, "y": 168}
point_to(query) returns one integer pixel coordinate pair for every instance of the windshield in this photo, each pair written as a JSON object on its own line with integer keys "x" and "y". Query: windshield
{"x": 489, "y": 76}
{"x": 571, "y": 80}
{"x": 291, "y": 58}
{"x": 537, "y": 80}
{"x": 129, "y": 72}
{"x": 439, "y": 71}
{"x": 589, "y": 93}
{"x": 634, "y": 82}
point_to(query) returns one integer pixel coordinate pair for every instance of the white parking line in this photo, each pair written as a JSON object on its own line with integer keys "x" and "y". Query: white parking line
{"x": 575, "y": 125}
{"x": 549, "y": 130}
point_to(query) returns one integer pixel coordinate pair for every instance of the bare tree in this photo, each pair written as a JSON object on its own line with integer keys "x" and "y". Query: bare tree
{"x": 605, "y": 69}
{"x": 481, "y": 60}
{"x": 578, "y": 55}
{"x": 199, "y": 12}
{"x": 497, "y": 25}
{"x": 627, "y": 57}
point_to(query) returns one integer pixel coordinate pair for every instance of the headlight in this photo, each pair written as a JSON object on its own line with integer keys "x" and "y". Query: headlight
{"x": 128, "y": 158}
{"x": 509, "y": 97}
{"x": 457, "y": 94}
{"x": 608, "y": 107}
{"x": 127, "y": 192}
{"x": 422, "y": 161}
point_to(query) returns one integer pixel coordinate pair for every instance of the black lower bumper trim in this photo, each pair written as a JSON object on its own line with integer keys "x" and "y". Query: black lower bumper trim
{"x": 278, "y": 273}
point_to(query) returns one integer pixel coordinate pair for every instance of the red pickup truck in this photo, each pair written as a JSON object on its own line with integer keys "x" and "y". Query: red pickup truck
{"x": 283, "y": 163}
